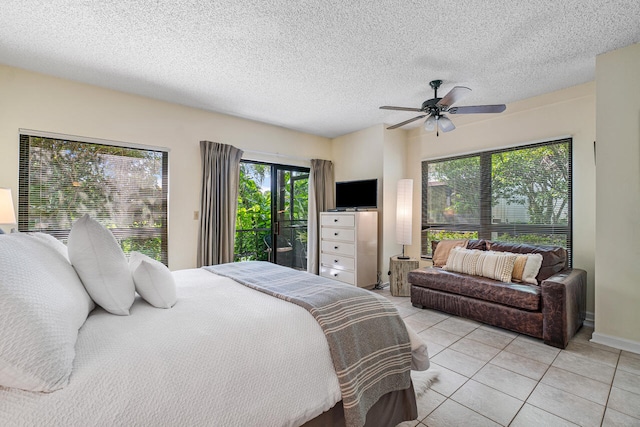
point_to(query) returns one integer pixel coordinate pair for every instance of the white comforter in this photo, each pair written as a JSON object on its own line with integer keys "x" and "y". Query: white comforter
{"x": 224, "y": 355}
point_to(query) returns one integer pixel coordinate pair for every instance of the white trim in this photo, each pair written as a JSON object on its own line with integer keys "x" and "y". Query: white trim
{"x": 265, "y": 156}
{"x": 590, "y": 320}
{"x": 502, "y": 147}
{"x": 616, "y": 342}
{"x": 266, "y": 153}
{"x": 43, "y": 134}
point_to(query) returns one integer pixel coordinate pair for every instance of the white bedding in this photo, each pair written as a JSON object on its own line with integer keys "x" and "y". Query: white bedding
{"x": 224, "y": 355}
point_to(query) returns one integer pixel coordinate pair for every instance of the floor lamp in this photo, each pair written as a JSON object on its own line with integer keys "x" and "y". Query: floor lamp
{"x": 7, "y": 214}
{"x": 404, "y": 214}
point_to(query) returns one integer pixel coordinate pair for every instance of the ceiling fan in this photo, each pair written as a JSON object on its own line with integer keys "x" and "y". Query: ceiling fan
{"x": 433, "y": 109}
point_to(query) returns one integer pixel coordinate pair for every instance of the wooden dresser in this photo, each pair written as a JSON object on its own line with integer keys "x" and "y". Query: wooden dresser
{"x": 349, "y": 247}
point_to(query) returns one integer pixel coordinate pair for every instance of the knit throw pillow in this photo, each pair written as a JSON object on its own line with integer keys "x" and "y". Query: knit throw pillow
{"x": 462, "y": 260}
{"x": 496, "y": 265}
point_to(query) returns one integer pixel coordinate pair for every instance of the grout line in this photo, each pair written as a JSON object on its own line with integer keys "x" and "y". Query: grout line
{"x": 538, "y": 382}
{"x": 606, "y": 405}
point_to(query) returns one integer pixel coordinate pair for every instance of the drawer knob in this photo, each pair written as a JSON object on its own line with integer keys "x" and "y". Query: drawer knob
{"x": 335, "y": 234}
{"x": 335, "y": 260}
{"x": 335, "y": 220}
{"x": 335, "y": 274}
{"x": 335, "y": 247}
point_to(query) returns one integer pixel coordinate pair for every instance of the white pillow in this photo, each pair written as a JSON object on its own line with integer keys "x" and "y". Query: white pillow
{"x": 531, "y": 268}
{"x": 42, "y": 306}
{"x": 101, "y": 265}
{"x": 154, "y": 282}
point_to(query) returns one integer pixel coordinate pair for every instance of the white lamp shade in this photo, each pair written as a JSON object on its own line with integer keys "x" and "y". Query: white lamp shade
{"x": 7, "y": 214}
{"x": 445, "y": 124}
{"x": 430, "y": 124}
{"x": 404, "y": 212}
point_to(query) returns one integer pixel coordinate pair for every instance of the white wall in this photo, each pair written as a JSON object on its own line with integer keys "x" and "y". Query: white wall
{"x": 569, "y": 112}
{"x": 39, "y": 102}
{"x": 617, "y": 232}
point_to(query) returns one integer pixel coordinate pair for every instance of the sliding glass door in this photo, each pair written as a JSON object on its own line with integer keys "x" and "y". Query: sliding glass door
{"x": 272, "y": 214}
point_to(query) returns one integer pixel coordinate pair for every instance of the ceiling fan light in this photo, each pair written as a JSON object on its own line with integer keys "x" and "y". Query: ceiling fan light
{"x": 430, "y": 123}
{"x": 445, "y": 124}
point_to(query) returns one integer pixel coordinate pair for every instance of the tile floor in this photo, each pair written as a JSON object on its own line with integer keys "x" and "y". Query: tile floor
{"x": 494, "y": 377}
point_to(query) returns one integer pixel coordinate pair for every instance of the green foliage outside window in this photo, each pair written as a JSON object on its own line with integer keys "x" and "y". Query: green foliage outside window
{"x": 253, "y": 219}
{"x": 122, "y": 188}
{"x": 520, "y": 195}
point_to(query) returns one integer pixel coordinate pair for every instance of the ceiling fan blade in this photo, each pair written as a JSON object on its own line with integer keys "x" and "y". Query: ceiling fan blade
{"x": 389, "y": 107}
{"x": 476, "y": 109}
{"x": 406, "y": 122}
{"x": 454, "y": 95}
{"x": 445, "y": 124}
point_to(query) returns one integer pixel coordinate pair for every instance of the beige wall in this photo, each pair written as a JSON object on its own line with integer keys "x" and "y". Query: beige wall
{"x": 359, "y": 155}
{"x": 393, "y": 169}
{"x": 39, "y": 102}
{"x": 375, "y": 153}
{"x": 569, "y": 112}
{"x": 617, "y": 232}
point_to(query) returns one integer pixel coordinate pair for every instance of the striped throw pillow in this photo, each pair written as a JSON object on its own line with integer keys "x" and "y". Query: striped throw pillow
{"x": 496, "y": 265}
{"x": 526, "y": 268}
{"x": 462, "y": 260}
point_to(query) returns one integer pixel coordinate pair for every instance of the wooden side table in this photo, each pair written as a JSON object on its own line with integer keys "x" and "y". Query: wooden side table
{"x": 398, "y": 270}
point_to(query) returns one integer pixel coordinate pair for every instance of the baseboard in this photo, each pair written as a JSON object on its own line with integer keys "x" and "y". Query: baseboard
{"x": 589, "y": 321}
{"x": 616, "y": 342}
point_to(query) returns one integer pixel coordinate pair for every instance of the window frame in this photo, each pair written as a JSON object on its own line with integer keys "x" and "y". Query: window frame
{"x": 119, "y": 233}
{"x": 485, "y": 227}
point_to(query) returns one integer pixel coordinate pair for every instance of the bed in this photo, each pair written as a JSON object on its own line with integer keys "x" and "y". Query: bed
{"x": 224, "y": 354}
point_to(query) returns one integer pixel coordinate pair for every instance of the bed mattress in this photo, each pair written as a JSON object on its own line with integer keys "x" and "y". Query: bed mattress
{"x": 223, "y": 355}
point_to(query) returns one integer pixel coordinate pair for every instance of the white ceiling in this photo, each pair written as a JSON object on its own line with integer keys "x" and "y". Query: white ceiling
{"x": 321, "y": 67}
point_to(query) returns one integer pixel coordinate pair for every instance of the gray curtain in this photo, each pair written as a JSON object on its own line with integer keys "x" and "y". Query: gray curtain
{"x": 321, "y": 198}
{"x": 218, "y": 202}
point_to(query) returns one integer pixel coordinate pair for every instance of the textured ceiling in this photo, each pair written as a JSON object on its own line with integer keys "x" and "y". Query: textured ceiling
{"x": 322, "y": 67}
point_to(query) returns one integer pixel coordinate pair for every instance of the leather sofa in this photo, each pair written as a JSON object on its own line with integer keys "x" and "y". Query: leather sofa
{"x": 553, "y": 310}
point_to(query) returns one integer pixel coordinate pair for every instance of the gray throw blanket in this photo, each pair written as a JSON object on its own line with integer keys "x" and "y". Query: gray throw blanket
{"x": 368, "y": 340}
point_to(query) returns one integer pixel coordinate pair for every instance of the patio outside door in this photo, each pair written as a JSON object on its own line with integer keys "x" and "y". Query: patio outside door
{"x": 271, "y": 223}
{"x": 290, "y": 201}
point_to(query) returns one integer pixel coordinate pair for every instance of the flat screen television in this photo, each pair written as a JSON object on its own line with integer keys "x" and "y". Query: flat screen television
{"x": 362, "y": 194}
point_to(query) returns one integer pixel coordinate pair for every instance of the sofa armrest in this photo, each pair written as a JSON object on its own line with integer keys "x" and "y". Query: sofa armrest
{"x": 563, "y": 305}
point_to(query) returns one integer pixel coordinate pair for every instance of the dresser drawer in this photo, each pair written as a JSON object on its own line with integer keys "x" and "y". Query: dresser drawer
{"x": 338, "y": 261}
{"x": 341, "y": 234}
{"x": 341, "y": 275}
{"x": 348, "y": 220}
{"x": 339, "y": 248}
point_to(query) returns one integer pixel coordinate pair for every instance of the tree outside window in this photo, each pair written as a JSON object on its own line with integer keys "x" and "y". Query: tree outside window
{"x": 519, "y": 195}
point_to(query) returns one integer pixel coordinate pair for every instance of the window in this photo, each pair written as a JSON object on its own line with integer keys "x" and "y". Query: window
{"x": 519, "y": 195}
{"x": 125, "y": 189}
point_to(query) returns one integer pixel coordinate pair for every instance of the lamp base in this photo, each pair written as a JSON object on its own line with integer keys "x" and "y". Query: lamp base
{"x": 403, "y": 256}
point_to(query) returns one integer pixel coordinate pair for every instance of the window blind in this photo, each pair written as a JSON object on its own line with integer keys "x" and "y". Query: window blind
{"x": 123, "y": 188}
{"x": 519, "y": 195}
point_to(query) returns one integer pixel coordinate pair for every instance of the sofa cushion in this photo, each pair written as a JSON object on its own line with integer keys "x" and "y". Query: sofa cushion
{"x": 526, "y": 268}
{"x": 443, "y": 249}
{"x": 495, "y": 265}
{"x": 463, "y": 260}
{"x": 480, "y": 245}
{"x": 523, "y": 296}
{"x": 554, "y": 258}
